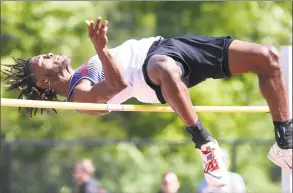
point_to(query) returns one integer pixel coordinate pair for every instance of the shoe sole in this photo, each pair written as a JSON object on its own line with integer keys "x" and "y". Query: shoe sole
{"x": 272, "y": 159}
{"x": 281, "y": 166}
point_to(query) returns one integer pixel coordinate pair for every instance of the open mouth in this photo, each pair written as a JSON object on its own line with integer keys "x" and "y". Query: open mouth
{"x": 66, "y": 59}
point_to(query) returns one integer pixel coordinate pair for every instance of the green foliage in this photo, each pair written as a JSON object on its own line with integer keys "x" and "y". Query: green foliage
{"x": 31, "y": 28}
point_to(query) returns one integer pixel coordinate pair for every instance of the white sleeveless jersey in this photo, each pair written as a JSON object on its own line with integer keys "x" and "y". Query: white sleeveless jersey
{"x": 131, "y": 56}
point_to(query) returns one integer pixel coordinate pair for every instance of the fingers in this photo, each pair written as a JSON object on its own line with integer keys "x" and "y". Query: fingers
{"x": 98, "y": 25}
{"x": 104, "y": 28}
{"x": 90, "y": 25}
{"x": 87, "y": 22}
{"x": 97, "y": 28}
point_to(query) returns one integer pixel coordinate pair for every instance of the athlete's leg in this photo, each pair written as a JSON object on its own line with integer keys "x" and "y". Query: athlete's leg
{"x": 264, "y": 61}
{"x": 163, "y": 71}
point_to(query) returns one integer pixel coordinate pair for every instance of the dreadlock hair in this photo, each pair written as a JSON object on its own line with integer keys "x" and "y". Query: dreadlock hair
{"x": 20, "y": 78}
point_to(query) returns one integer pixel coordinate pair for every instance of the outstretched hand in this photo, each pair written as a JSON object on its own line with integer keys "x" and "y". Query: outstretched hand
{"x": 98, "y": 33}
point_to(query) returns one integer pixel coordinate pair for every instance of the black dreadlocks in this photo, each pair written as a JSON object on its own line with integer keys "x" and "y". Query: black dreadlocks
{"x": 20, "y": 78}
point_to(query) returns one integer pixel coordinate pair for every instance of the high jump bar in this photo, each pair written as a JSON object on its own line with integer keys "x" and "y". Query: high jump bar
{"x": 6, "y": 102}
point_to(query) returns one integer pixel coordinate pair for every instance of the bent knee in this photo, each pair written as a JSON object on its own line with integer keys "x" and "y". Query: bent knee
{"x": 162, "y": 67}
{"x": 270, "y": 60}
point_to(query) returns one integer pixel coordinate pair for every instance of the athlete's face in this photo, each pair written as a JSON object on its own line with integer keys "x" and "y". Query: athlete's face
{"x": 49, "y": 67}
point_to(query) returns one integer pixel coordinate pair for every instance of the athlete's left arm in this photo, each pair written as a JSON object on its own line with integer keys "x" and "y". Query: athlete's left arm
{"x": 114, "y": 81}
{"x": 114, "y": 76}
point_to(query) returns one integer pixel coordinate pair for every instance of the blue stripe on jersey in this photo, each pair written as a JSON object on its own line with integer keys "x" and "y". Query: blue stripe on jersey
{"x": 91, "y": 70}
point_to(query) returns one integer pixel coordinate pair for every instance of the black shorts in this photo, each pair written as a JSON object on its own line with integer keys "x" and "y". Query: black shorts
{"x": 201, "y": 58}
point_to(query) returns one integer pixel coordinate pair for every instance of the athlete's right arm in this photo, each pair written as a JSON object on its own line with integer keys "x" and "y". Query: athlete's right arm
{"x": 100, "y": 92}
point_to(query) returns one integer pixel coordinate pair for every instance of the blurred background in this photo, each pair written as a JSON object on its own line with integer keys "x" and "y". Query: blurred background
{"x": 132, "y": 151}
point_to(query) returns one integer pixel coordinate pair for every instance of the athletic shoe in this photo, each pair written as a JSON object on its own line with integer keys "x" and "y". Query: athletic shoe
{"x": 215, "y": 171}
{"x": 281, "y": 157}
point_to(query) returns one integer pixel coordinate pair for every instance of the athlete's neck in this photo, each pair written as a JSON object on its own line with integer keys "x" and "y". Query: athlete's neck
{"x": 63, "y": 82}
